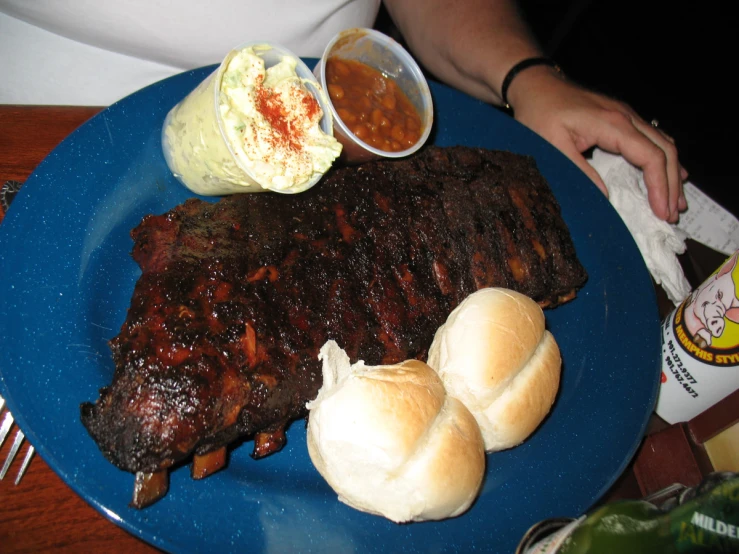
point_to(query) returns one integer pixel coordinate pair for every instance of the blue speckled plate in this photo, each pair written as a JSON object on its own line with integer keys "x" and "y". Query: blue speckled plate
{"x": 65, "y": 289}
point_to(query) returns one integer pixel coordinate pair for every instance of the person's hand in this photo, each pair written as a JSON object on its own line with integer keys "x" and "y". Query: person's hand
{"x": 575, "y": 119}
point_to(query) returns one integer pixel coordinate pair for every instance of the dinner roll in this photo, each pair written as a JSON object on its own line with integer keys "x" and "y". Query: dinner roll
{"x": 391, "y": 442}
{"x": 494, "y": 354}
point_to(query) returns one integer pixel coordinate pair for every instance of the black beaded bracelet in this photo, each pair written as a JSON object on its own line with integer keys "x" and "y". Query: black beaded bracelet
{"x": 518, "y": 68}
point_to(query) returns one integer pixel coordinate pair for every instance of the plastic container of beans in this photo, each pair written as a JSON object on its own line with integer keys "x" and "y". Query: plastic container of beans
{"x": 379, "y": 99}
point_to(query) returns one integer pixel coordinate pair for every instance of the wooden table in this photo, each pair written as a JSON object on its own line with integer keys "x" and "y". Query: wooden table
{"x": 42, "y": 513}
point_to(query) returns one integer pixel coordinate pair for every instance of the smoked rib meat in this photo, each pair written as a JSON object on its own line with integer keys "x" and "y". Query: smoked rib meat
{"x": 236, "y": 297}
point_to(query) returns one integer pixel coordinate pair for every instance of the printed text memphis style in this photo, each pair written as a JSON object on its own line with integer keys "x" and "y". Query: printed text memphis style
{"x": 690, "y": 346}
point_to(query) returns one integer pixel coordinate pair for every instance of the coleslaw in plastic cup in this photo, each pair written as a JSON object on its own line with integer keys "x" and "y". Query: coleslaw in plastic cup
{"x": 259, "y": 122}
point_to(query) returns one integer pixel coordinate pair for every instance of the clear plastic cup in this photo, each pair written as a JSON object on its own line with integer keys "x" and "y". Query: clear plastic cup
{"x": 196, "y": 147}
{"x": 384, "y": 54}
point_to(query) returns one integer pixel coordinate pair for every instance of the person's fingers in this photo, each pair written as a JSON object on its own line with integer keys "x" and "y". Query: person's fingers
{"x": 616, "y": 132}
{"x": 672, "y": 167}
{"x": 683, "y": 200}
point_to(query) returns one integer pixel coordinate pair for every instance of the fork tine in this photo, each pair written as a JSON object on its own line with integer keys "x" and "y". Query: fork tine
{"x": 19, "y": 436}
{"x": 24, "y": 465}
{"x": 5, "y": 427}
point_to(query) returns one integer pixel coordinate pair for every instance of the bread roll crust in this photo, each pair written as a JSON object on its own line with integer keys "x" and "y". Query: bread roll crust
{"x": 495, "y": 355}
{"x": 390, "y": 441}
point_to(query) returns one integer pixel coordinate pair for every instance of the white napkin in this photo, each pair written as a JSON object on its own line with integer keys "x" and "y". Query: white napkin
{"x": 659, "y": 242}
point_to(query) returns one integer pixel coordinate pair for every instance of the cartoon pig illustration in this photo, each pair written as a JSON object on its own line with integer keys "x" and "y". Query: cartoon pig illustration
{"x": 712, "y": 304}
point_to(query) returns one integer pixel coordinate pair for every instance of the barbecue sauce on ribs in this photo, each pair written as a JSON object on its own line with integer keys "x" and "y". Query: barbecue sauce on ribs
{"x": 236, "y": 297}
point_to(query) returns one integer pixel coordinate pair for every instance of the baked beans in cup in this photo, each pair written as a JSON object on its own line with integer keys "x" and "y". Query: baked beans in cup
{"x": 380, "y": 101}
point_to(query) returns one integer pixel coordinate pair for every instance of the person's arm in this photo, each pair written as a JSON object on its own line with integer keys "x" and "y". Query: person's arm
{"x": 472, "y": 44}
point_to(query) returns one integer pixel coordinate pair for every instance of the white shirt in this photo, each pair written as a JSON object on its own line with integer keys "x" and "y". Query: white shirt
{"x": 94, "y": 52}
